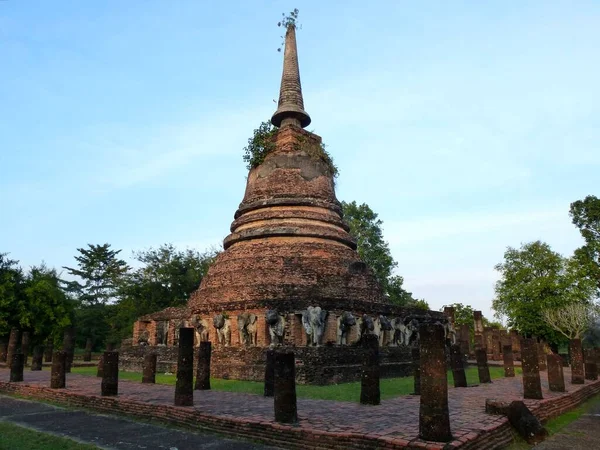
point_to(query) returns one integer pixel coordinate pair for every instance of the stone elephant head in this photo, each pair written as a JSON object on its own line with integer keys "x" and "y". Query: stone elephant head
{"x": 367, "y": 325}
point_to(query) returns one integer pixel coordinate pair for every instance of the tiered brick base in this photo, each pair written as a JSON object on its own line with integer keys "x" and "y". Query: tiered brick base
{"x": 322, "y": 424}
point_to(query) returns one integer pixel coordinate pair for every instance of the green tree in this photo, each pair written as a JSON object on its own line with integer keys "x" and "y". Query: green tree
{"x": 585, "y": 215}
{"x": 11, "y": 292}
{"x": 99, "y": 276}
{"x": 463, "y": 315}
{"x": 166, "y": 278}
{"x": 366, "y": 228}
{"x": 534, "y": 278}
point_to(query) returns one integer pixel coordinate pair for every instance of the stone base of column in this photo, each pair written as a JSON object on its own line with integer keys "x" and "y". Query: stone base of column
{"x": 285, "y": 388}
{"x": 532, "y": 386}
{"x": 110, "y": 375}
{"x": 269, "y": 390}
{"x": 203, "y": 370}
{"x": 458, "y": 369}
{"x": 556, "y": 378}
{"x": 149, "y": 369}
{"x": 16, "y": 368}
{"x": 482, "y": 366}
{"x": 369, "y": 384}
{"x": 57, "y": 374}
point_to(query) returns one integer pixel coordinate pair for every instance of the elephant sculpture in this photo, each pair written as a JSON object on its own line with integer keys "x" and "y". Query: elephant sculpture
{"x": 313, "y": 321}
{"x": 247, "y": 328}
{"x": 385, "y": 331}
{"x": 367, "y": 325}
{"x": 221, "y": 324}
{"x": 162, "y": 332}
{"x": 344, "y": 323}
{"x": 201, "y": 328}
{"x": 276, "y": 325}
{"x": 144, "y": 338}
{"x": 399, "y": 332}
{"x": 450, "y": 334}
{"x": 412, "y": 333}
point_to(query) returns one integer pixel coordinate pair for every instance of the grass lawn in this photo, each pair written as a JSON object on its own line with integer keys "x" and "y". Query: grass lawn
{"x": 350, "y": 392}
{"x": 15, "y": 437}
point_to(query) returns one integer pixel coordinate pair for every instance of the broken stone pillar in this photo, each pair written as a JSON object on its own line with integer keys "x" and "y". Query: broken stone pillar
{"x": 203, "y": 369}
{"x": 16, "y": 368}
{"x": 100, "y": 370}
{"x": 87, "y": 356}
{"x": 556, "y": 378}
{"x": 526, "y": 424}
{"x": 532, "y": 386}
{"x": 269, "y": 390}
{"x": 3, "y": 350}
{"x": 465, "y": 340}
{"x": 48, "y": 350}
{"x": 591, "y": 369}
{"x": 496, "y": 345}
{"x": 57, "y": 375}
{"x": 38, "y": 355}
{"x": 488, "y": 333}
{"x": 482, "y": 366}
{"x": 13, "y": 345}
{"x": 542, "y": 356}
{"x": 110, "y": 373}
{"x": 25, "y": 341}
{"x": 478, "y": 323}
{"x": 458, "y": 369}
{"x": 149, "y": 368}
{"x": 577, "y": 375}
{"x": 69, "y": 347}
{"x": 285, "y": 388}
{"x": 434, "y": 416}
{"x": 509, "y": 365}
{"x": 369, "y": 381}
{"x": 184, "y": 387}
{"x": 515, "y": 341}
{"x": 416, "y": 363}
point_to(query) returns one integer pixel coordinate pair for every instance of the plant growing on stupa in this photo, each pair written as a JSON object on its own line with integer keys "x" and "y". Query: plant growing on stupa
{"x": 291, "y": 20}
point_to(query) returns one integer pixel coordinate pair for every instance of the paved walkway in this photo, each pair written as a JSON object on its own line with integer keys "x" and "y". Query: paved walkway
{"x": 396, "y": 419}
{"x": 110, "y": 432}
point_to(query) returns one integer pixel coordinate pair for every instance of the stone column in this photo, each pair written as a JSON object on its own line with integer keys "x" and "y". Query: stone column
{"x": 515, "y": 341}
{"x": 465, "y": 339}
{"x": 25, "y": 341}
{"x": 369, "y": 382}
{"x": 100, "y": 370}
{"x": 478, "y": 322}
{"x": 57, "y": 376}
{"x": 434, "y": 416}
{"x": 49, "y": 350}
{"x": 269, "y": 390}
{"x": 285, "y": 388}
{"x": 38, "y": 355}
{"x": 16, "y": 368}
{"x": 488, "y": 333}
{"x": 203, "y": 369}
{"x": 87, "y": 356}
{"x": 184, "y": 387}
{"x": 577, "y": 375}
{"x": 149, "y": 368}
{"x": 416, "y": 363}
{"x": 3, "y": 350}
{"x": 458, "y": 369}
{"x": 532, "y": 386}
{"x": 556, "y": 379}
{"x": 496, "y": 343}
{"x": 542, "y": 356}
{"x": 13, "y": 345}
{"x": 110, "y": 373}
{"x": 591, "y": 369}
{"x": 509, "y": 365}
{"x": 69, "y": 347}
{"x": 482, "y": 366}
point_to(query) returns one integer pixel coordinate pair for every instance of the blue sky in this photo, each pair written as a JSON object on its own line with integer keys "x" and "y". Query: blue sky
{"x": 467, "y": 126}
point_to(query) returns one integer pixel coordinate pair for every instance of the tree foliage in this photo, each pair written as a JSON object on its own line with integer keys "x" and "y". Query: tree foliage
{"x": 585, "y": 215}
{"x": 535, "y": 278}
{"x": 571, "y": 320}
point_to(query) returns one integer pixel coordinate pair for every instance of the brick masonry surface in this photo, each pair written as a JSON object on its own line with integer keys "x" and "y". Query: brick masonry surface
{"x": 322, "y": 424}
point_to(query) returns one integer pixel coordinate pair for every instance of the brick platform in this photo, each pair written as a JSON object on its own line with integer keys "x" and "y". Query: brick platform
{"x": 322, "y": 424}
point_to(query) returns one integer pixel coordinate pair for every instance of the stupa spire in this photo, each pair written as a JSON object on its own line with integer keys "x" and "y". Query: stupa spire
{"x": 290, "y": 109}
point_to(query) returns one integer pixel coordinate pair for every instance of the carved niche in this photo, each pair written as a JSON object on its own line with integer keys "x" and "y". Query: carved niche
{"x": 313, "y": 321}
{"x": 276, "y": 324}
{"x": 162, "y": 332}
{"x": 385, "y": 331}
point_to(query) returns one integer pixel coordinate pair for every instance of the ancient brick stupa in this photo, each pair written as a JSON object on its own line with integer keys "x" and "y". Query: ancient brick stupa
{"x": 289, "y": 274}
